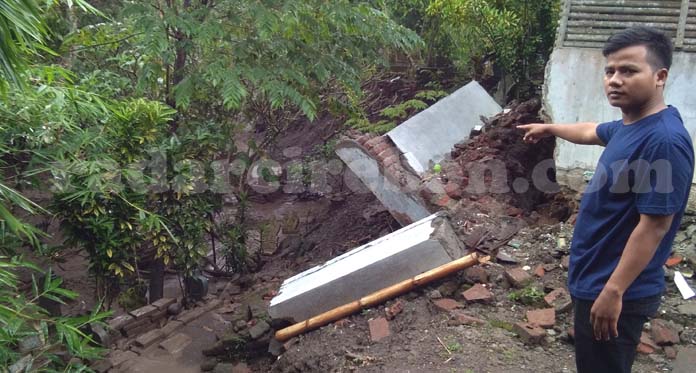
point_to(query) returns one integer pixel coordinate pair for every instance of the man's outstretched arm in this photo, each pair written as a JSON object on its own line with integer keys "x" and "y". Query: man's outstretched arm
{"x": 579, "y": 133}
{"x": 639, "y": 251}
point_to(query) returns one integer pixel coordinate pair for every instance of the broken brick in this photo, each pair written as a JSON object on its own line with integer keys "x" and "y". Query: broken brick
{"x": 514, "y": 211}
{"x": 644, "y": 349}
{"x": 453, "y": 190}
{"x": 530, "y": 334}
{"x": 546, "y": 318}
{"x": 559, "y": 299}
{"x": 371, "y": 143}
{"x": 446, "y": 304}
{"x": 380, "y": 147}
{"x": 460, "y": 318}
{"x": 394, "y": 309}
{"x": 379, "y": 329}
{"x": 518, "y": 277}
{"x": 670, "y": 352}
{"x": 443, "y": 201}
{"x": 539, "y": 271}
{"x": 664, "y": 332}
{"x": 646, "y": 340}
{"x": 390, "y": 160}
{"x": 673, "y": 261}
{"x": 386, "y": 153}
{"x": 478, "y": 293}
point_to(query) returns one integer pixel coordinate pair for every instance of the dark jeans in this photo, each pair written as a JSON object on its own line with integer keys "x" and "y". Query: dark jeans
{"x": 617, "y": 354}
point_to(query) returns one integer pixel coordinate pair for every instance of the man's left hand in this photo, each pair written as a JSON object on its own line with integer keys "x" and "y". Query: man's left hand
{"x": 604, "y": 315}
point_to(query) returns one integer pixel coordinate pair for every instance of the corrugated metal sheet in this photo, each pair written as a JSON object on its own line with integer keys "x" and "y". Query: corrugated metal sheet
{"x": 589, "y": 23}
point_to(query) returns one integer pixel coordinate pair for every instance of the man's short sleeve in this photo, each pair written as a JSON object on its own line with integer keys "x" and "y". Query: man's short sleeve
{"x": 606, "y": 130}
{"x": 663, "y": 180}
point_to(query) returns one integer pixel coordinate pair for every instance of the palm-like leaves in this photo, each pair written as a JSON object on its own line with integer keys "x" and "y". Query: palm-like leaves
{"x": 21, "y": 30}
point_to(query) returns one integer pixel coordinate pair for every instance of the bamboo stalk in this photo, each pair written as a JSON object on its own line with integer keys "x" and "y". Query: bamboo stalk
{"x": 379, "y": 296}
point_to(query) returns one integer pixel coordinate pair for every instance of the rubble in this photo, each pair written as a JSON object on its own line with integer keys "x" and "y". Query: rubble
{"x": 379, "y": 329}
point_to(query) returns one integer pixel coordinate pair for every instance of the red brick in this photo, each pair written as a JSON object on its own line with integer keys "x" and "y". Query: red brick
{"x": 673, "y": 261}
{"x": 571, "y": 332}
{"x": 664, "y": 333}
{"x": 539, "y": 271}
{"x": 446, "y": 304}
{"x": 644, "y": 349}
{"x": 518, "y": 277}
{"x": 379, "y": 148}
{"x": 670, "y": 352}
{"x": 559, "y": 299}
{"x": 530, "y": 334}
{"x": 373, "y": 142}
{"x": 646, "y": 340}
{"x": 379, "y": 329}
{"x": 453, "y": 190}
{"x": 241, "y": 368}
{"x": 394, "y": 309}
{"x": 387, "y": 153}
{"x": 461, "y": 318}
{"x": 362, "y": 139}
{"x": 390, "y": 160}
{"x": 546, "y": 318}
{"x": 443, "y": 201}
{"x": 514, "y": 211}
{"x": 478, "y": 293}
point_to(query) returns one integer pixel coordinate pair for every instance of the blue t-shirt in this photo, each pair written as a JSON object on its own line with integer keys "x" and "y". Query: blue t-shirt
{"x": 646, "y": 168}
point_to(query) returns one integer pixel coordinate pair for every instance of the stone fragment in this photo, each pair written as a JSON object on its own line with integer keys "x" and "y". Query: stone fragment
{"x": 149, "y": 338}
{"x": 175, "y": 343}
{"x": 453, "y": 190}
{"x": 530, "y": 334}
{"x": 446, "y": 304}
{"x": 559, "y": 299}
{"x": 518, "y": 277}
{"x": 670, "y": 352}
{"x": 143, "y": 312}
{"x": 379, "y": 329}
{"x": 174, "y": 309}
{"x": 259, "y": 329}
{"x": 546, "y": 318}
{"x": 664, "y": 333}
{"x": 476, "y": 275}
{"x": 478, "y": 293}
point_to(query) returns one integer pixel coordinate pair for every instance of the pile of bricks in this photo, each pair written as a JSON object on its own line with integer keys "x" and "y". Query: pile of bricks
{"x": 141, "y": 320}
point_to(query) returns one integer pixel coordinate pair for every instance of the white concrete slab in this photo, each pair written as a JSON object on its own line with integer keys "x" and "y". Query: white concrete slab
{"x": 405, "y": 253}
{"x": 427, "y": 137}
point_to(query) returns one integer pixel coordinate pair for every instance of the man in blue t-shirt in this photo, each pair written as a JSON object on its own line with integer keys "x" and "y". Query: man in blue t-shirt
{"x": 632, "y": 207}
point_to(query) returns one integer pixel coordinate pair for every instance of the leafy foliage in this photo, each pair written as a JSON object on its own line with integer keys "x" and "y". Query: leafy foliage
{"x": 25, "y": 323}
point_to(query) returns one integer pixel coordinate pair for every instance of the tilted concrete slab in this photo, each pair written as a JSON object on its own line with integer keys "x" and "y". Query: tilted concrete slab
{"x": 403, "y": 203}
{"x": 403, "y": 254}
{"x": 430, "y": 135}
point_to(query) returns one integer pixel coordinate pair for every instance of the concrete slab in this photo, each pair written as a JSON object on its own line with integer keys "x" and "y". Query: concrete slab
{"x": 405, "y": 253}
{"x": 404, "y": 205}
{"x": 428, "y": 136}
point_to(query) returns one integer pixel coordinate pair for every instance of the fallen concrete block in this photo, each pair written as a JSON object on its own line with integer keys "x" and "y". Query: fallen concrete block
{"x": 143, "y": 312}
{"x": 419, "y": 247}
{"x": 149, "y": 338}
{"x": 428, "y": 136}
{"x": 175, "y": 343}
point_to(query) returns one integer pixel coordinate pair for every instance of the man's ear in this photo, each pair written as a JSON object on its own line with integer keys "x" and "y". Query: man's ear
{"x": 661, "y": 77}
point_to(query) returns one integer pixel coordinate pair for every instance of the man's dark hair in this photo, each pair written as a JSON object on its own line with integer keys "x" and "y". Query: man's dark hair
{"x": 658, "y": 44}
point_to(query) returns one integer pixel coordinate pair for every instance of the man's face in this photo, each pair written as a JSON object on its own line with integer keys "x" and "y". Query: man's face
{"x": 629, "y": 80}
